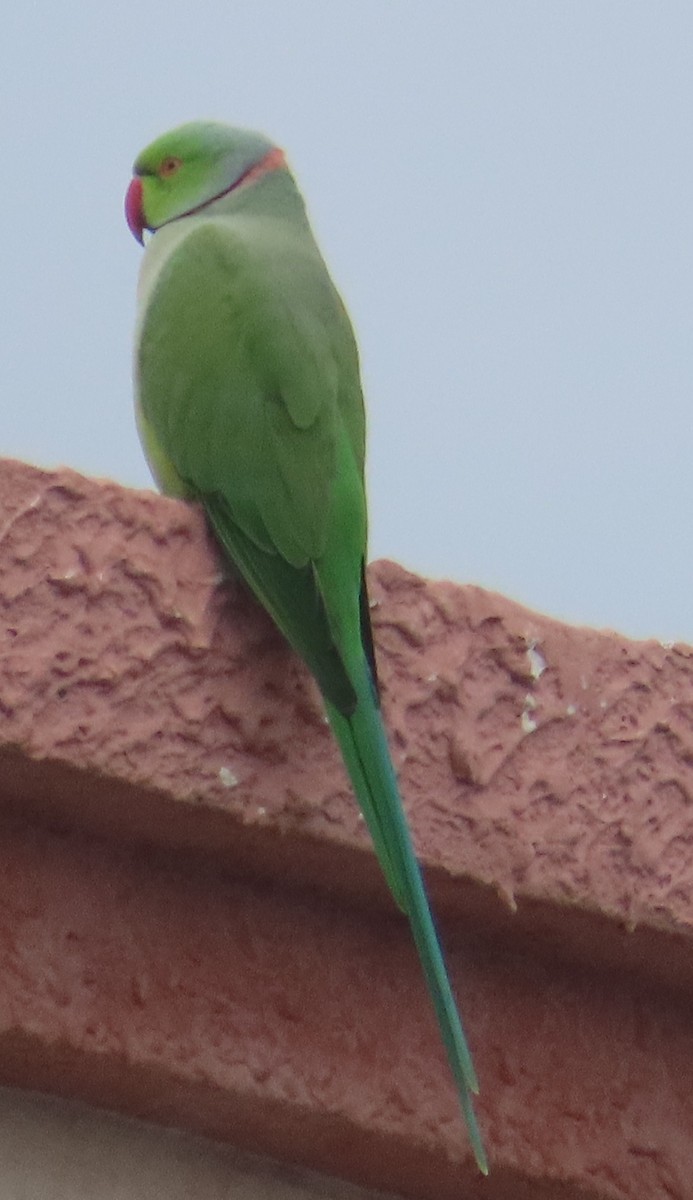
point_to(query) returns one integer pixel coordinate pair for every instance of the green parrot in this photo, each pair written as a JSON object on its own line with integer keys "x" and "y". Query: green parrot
{"x": 249, "y": 401}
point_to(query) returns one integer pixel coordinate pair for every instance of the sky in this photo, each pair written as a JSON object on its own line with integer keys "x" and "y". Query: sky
{"x": 504, "y": 194}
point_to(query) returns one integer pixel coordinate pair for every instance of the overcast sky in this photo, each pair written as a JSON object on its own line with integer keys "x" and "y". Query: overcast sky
{"x": 503, "y": 191}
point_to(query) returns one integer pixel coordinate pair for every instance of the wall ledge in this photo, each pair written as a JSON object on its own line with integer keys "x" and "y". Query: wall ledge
{"x": 193, "y": 927}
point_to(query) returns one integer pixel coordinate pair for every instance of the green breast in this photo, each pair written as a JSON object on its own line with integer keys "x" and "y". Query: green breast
{"x": 161, "y": 467}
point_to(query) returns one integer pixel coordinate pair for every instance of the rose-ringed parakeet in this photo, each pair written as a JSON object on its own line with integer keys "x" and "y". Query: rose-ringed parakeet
{"x": 249, "y": 401}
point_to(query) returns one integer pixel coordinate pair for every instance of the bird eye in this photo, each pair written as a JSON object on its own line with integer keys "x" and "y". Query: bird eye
{"x": 169, "y": 167}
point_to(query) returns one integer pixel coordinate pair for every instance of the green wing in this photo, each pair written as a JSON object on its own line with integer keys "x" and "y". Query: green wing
{"x": 252, "y": 397}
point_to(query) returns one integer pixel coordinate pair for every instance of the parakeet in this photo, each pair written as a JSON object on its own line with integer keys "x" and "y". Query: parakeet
{"x": 248, "y": 400}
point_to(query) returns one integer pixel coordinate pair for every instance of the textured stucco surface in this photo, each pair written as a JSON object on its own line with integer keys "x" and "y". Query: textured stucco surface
{"x": 192, "y": 924}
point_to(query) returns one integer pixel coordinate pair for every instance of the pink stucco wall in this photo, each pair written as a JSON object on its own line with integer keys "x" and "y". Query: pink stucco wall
{"x": 193, "y": 927}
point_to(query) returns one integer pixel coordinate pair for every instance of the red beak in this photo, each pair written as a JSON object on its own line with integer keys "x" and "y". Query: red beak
{"x": 133, "y": 209}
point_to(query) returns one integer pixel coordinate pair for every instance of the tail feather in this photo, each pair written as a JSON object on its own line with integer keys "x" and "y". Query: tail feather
{"x": 362, "y": 740}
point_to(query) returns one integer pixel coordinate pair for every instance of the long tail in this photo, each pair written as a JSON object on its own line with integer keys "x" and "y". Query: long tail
{"x": 367, "y": 758}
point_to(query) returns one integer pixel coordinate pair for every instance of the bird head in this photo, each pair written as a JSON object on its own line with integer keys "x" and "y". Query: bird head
{"x": 192, "y": 166}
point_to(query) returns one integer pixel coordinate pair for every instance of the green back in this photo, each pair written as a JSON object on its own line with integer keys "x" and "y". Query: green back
{"x": 250, "y": 400}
